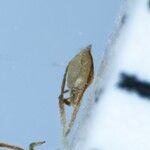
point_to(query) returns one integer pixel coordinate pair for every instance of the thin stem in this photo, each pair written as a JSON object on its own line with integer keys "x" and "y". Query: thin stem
{"x": 5, "y": 145}
{"x": 34, "y": 144}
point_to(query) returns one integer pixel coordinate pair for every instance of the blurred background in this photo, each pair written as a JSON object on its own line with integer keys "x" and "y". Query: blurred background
{"x": 37, "y": 39}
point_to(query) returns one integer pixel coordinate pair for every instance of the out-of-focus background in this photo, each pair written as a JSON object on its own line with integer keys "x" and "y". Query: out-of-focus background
{"x": 37, "y": 39}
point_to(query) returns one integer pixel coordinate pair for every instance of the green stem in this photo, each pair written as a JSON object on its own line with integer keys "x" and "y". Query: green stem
{"x": 34, "y": 144}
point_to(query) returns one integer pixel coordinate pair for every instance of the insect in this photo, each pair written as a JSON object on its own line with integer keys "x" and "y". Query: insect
{"x": 78, "y": 76}
{"x": 13, "y": 147}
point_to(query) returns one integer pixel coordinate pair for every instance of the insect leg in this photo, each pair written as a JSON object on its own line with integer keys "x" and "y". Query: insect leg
{"x": 66, "y": 91}
{"x": 73, "y": 116}
{"x": 61, "y": 103}
{"x": 62, "y": 114}
{"x": 67, "y": 101}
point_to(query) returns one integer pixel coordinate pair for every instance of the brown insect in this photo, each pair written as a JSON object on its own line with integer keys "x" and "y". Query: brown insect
{"x": 78, "y": 76}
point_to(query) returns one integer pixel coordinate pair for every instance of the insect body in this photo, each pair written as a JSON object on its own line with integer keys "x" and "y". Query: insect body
{"x": 77, "y": 77}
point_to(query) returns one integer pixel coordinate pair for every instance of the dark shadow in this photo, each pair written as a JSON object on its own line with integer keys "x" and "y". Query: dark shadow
{"x": 133, "y": 84}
